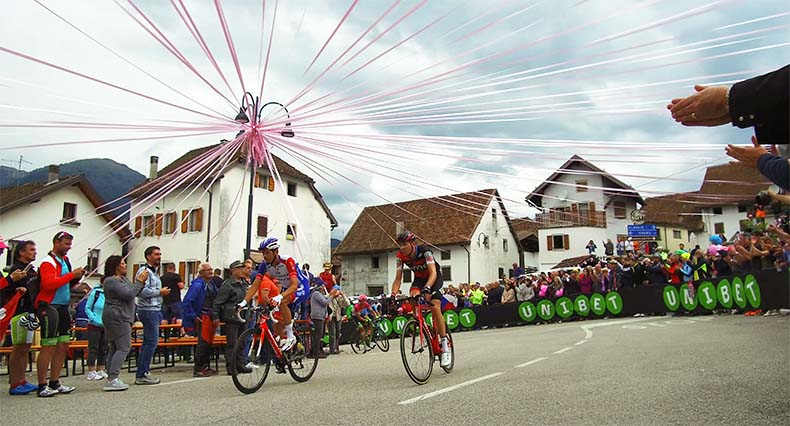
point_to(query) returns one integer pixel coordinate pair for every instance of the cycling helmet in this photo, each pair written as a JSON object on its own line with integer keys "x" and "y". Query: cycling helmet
{"x": 29, "y": 322}
{"x": 405, "y": 237}
{"x": 363, "y": 298}
{"x": 270, "y": 244}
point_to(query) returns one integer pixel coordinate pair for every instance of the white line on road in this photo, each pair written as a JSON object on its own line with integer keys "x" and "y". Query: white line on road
{"x": 580, "y": 342}
{"x": 563, "y": 350}
{"x": 534, "y": 361}
{"x": 182, "y": 381}
{"x": 449, "y": 389}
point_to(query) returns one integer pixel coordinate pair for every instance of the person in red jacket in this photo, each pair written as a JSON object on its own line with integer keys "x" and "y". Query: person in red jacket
{"x": 52, "y": 309}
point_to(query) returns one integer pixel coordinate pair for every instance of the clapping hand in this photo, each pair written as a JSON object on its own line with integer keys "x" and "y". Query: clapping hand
{"x": 707, "y": 107}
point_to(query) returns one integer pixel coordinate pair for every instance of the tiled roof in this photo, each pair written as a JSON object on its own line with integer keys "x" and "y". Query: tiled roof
{"x": 525, "y": 227}
{"x": 445, "y": 220}
{"x": 571, "y": 262}
{"x": 676, "y": 210}
{"x": 735, "y": 183}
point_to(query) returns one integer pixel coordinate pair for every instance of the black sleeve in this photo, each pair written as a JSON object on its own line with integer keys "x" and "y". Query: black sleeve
{"x": 775, "y": 168}
{"x": 762, "y": 102}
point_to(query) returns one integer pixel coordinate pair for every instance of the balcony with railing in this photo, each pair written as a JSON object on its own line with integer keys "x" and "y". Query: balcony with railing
{"x": 564, "y": 219}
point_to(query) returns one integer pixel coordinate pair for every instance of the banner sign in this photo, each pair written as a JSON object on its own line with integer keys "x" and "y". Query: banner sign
{"x": 764, "y": 290}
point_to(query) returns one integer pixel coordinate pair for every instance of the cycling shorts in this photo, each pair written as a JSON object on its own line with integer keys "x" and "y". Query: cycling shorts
{"x": 55, "y": 323}
{"x": 436, "y": 288}
{"x": 20, "y": 335}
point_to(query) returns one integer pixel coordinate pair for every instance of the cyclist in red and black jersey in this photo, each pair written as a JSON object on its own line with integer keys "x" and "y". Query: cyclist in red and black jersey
{"x": 427, "y": 280}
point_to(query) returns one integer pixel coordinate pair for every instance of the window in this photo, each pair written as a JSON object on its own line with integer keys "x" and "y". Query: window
{"x": 504, "y": 245}
{"x": 263, "y": 226}
{"x": 407, "y": 275}
{"x": 717, "y": 210}
{"x": 290, "y": 232}
{"x": 196, "y": 220}
{"x": 264, "y": 181}
{"x": 619, "y": 209}
{"x": 581, "y": 185}
{"x": 493, "y": 214}
{"x": 447, "y": 273}
{"x": 501, "y": 273}
{"x": 375, "y": 290}
{"x": 718, "y": 228}
{"x": 292, "y": 189}
{"x": 93, "y": 260}
{"x": 148, "y": 225}
{"x": 742, "y": 208}
{"x": 9, "y": 260}
{"x": 676, "y": 234}
{"x": 374, "y": 262}
{"x": 192, "y": 269}
{"x": 558, "y": 242}
{"x": 170, "y": 222}
{"x": 69, "y": 211}
{"x": 445, "y": 255}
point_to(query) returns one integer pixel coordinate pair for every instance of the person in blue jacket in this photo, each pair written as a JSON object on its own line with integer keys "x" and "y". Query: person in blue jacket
{"x": 198, "y": 317}
{"x": 97, "y": 343}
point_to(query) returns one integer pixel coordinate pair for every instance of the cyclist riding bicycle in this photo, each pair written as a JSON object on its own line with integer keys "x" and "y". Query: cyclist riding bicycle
{"x": 427, "y": 281}
{"x": 364, "y": 314}
{"x": 283, "y": 274}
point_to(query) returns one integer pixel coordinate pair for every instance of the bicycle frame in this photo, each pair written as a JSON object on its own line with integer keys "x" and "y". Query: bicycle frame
{"x": 417, "y": 309}
{"x": 267, "y": 334}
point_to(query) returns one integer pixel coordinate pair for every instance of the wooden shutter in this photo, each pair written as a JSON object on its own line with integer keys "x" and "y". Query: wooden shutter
{"x": 549, "y": 242}
{"x": 182, "y": 269}
{"x": 592, "y": 206}
{"x": 184, "y": 221}
{"x": 271, "y": 184}
{"x": 138, "y": 225}
{"x": 199, "y": 220}
{"x": 263, "y": 226}
{"x": 158, "y": 224}
{"x": 135, "y": 268}
{"x": 566, "y": 241}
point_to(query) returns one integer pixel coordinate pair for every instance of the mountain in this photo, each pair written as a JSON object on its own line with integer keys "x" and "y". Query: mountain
{"x": 109, "y": 178}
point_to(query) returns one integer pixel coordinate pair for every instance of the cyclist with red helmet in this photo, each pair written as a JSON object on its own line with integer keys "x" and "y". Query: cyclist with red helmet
{"x": 283, "y": 273}
{"x": 364, "y": 313}
{"x": 427, "y": 281}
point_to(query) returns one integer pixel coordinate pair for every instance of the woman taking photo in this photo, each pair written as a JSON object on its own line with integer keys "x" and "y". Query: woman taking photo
{"x": 118, "y": 316}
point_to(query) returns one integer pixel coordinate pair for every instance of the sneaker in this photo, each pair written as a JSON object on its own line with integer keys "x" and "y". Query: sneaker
{"x": 287, "y": 343}
{"x": 47, "y": 392}
{"x": 147, "y": 379}
{"x": 250, "y": 365}
{"x": 102, "y": 375}
{"x": 30, "y": 387}
{"x": 22, "y": 389}
{"x": 445, "y": 359}
{"x": 279, "y": 368}
{"x": 91, "y": 376}
{"x": 63, "y": 389}
{"x": 202, "y": 373}
{"x": 115, "y": 385}
{"x": 244, "y": 370}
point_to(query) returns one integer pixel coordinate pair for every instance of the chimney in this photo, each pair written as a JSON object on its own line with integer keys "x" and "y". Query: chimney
{"x": 154, "y": 167}
{"x": 53, "y": 174}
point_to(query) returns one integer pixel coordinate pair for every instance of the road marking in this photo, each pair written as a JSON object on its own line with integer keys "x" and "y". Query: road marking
{"x": 534, "y": 361}
{"x": 587, "y": 332}
{"x": 563, "y": 350}
{"x": 587, "y": 327}
{"x": 449, "y": 389}
{"x": 182, "y": 381}
{"x": 580, "y": 342}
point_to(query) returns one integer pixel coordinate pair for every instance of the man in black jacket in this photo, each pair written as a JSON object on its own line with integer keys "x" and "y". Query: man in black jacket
{"x": 231, "y": 294}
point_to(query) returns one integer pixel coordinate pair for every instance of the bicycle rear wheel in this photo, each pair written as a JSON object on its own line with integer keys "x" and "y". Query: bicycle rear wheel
{"x": 356, "y": 343}
{"x": 300, "y": 366}
{"x": 381, "y": 340}
{"x": 416, "y": 352}
{"x": 450, "y": 345}
{"x": 257, "y": 355}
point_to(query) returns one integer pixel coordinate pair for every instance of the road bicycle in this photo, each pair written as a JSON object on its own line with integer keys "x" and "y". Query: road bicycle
{"x": 419, "y": 343}
{"x": 378, "y": 337}
{"x": 260, "y": 349}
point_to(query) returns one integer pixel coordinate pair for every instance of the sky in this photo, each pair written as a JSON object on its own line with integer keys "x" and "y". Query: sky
{"x": 437, "y": 97}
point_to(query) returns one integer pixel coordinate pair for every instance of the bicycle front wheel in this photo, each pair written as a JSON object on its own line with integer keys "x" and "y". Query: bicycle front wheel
{"x": 300, "y": 365}
{"x": 256, "y": 351}
{"x": 382, "y": 341}
{"x": 416, "y": 352}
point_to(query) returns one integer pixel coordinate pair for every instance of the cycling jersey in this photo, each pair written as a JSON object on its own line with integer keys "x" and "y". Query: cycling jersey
{"x": 362, "y": 306}
{"x": 419, "y": 267}
{"x": 281, "y": 270}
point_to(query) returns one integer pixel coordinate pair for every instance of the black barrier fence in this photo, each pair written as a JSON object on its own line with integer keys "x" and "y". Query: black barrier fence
{"x": 766, "y": 289}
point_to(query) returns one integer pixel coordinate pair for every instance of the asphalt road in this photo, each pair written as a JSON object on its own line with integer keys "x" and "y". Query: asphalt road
{"x": 662, "y": 370}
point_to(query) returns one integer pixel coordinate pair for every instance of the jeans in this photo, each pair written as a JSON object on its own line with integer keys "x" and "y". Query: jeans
{"x": 334, "y": 334}
{"x": 316, "y": 334}
{"x": 97, "y": 346}
{"x": 151, "y": 321}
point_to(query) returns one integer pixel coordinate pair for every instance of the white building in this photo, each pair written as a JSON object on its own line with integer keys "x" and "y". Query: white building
{"x": 471, "y": 236}
{"x": 37, "y": 211}
{"x": 580, "y": 202}
{"x": 210, "y": 223}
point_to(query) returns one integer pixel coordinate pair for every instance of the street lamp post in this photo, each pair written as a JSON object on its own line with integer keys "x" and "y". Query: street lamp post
{"x": 248, "y": 101}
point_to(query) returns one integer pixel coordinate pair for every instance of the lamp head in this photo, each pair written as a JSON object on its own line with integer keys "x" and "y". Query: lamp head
{"x": 241, "y": 117}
